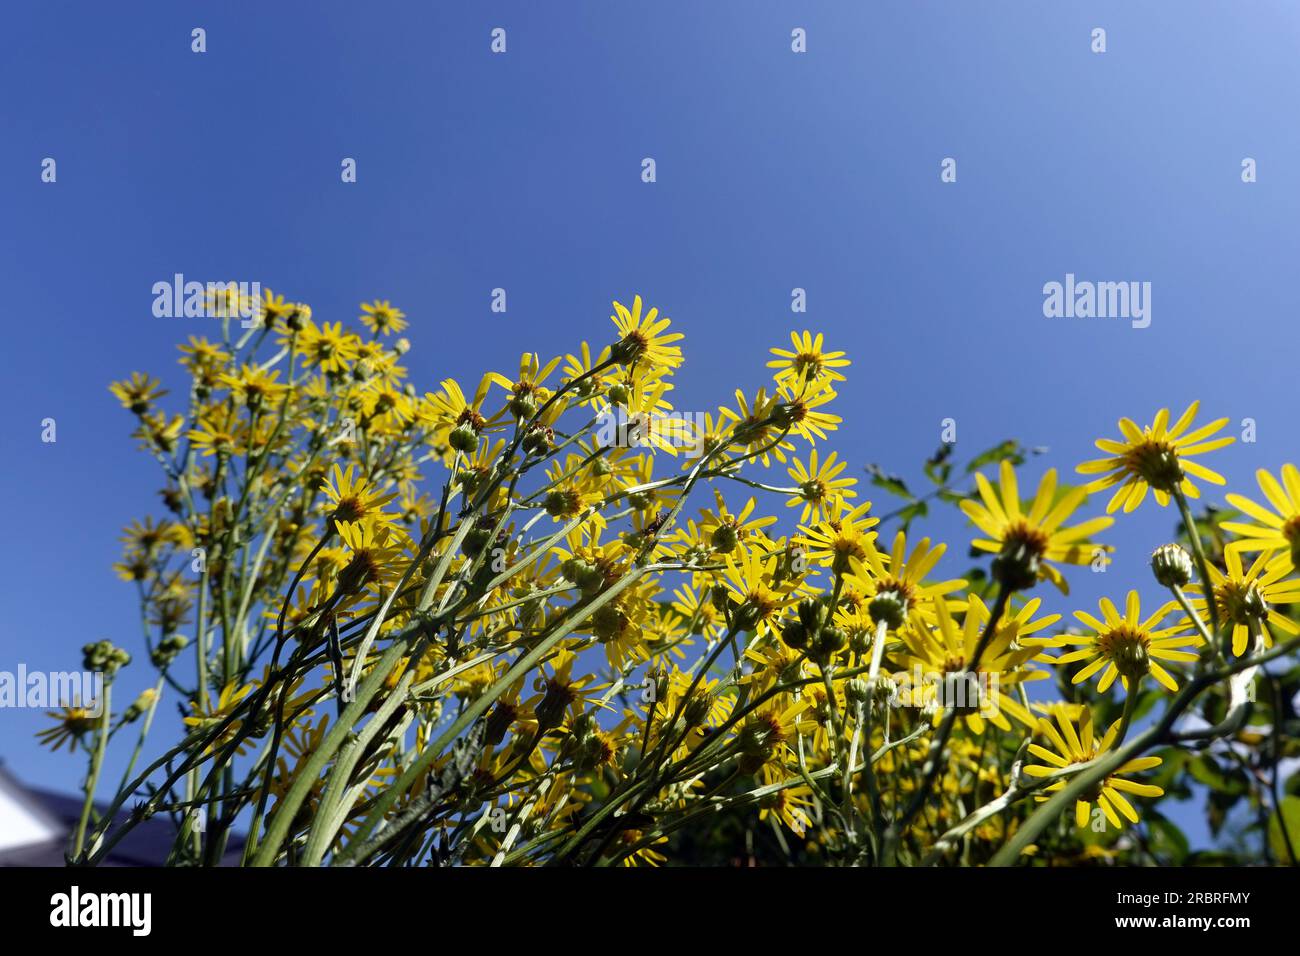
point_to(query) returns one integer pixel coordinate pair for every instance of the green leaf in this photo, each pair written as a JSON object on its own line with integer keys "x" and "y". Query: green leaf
{"x": 1166, "y": 838}
{"x": 1289, "y": 813}
{"x": 1206, "y": 770}
{"x": 891, "y": 483}
{"x": 1009, "y": 449}
{"x": 916, "y": 509}
{"x": 938, "y": 468}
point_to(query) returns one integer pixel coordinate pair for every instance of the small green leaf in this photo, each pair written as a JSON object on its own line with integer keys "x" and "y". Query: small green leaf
{"x": 1009, "y": 449}
{"x": 1289, "y": 813}
{"x": 891, "y": 483}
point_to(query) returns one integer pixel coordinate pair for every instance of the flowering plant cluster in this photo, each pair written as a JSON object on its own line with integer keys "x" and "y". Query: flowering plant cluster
{"x": 546, "y": 619}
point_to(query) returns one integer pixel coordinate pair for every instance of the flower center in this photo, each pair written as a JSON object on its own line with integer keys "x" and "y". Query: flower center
{"x": 1128, "y": 649}
{"x": 1242, "y": 603}
{"x": 1157, "y": 463}
{"x": 1034, "y": 540}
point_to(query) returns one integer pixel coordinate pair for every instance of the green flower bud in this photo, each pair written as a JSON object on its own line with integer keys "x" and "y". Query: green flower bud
{"x": 725, "y": 539}
{"x": 890, "y": 607}
{"x": 523, "y": 406}
{"x": 795, "y": 635}
{"x": 464, "y": 439}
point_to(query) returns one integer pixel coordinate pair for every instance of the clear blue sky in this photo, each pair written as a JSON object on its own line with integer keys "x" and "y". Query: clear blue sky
{"x": 522, "y": 170}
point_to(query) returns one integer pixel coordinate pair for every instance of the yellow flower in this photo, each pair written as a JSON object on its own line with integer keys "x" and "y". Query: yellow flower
{"x": 327, "y": 346}
{"x": 526, "y": 391}
{"x": 750, "y": 579}
{"x": 591, "y": 390}
{"x": 641, "y": 337}
{"x": 200, "y": 353}
{"x": 381, "y": 318}
{"x": 1128, "y": 646}
{"x": 228, "y": 701}
{"x": 160, "y": 431}
{"x": 763, "y": 739}
{"x": 218, "y": 432}
{"x": 1279, "y": 529}
{"x": 842, "y": 535}
{"x": 1074, "y": 747}
{"x": 373, "y": 557}
{"x": 799, "y": 412}
{"x": 942, "y": 655}
{"x": 1246, "y": 597}
{"x": 724, "y": 531}
{"x": 901, "y": 576}
{"x": 71, "y": 726}
{"x": 138, "y": 392}
{"x": 1034, "y": 533}
{"x": 448, "y": 411}
{"x": 808, "y": 361}
{"x": 273, "y": 307}
{"x": 355, "y": 499}
{"x": 1155, "y": 458}
{"x": 254, "y": 386}
{"x": 792, "y": 806}
{"x": 819, "y": 485}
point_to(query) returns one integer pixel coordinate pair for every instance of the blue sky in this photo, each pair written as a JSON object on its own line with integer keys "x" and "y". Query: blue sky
{"x": 775, "y": 170}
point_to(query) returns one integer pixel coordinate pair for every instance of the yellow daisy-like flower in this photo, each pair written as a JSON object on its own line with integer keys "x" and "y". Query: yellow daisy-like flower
{"x": 750, "y": 580}
{"x": 231, "y": 696}
{"x": 800, "y": 412}
{"x": 1156, "y": 459}
{"x": 355, "y": 499}
{"x": 642, "y": 337}
{"x": 527, "y": 392}
{"x": 902, "y": 575}
{"x": 273, "y": 307}
{"x": 201, "y": 353}
{"x": 448, "y": 410}
{"x": 1128, "y": 646}
{"x": 1278, "y": 529}
{"x": 1036, "y": 530}
{"x": 1071, "y": 746}
{"x": 71, "y": 725}
{"x": 254, "y": 386}
{"x": 1245, "y": 598}
{"x": 936, "y": 661}
{"x": 382, "y": 318}
{"x": 764, "y": 738}
{"x": 218, "y": 432}
{"x": 327, "y": 346}
{"x": 842, "y": 535}
{"x": 138, "y": 392}
{"x": 726, "y": 532}
{"x": 373, "y": 558}
{"x": 755, "y": 429}
{"x": 819, "y": 485}
{"x": 808, "y": 361}
{"x": 792, "y": 806}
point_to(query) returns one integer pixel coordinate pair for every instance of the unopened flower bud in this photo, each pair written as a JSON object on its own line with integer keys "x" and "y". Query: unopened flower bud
{"x": 1171, "y": 565}
{"x": 464, "y": 439}
{"x": 618, "y": 394}
{"x": 795, "y": 635}
{"x": 890, "y": 607}
{"x": 725, "y": 539}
